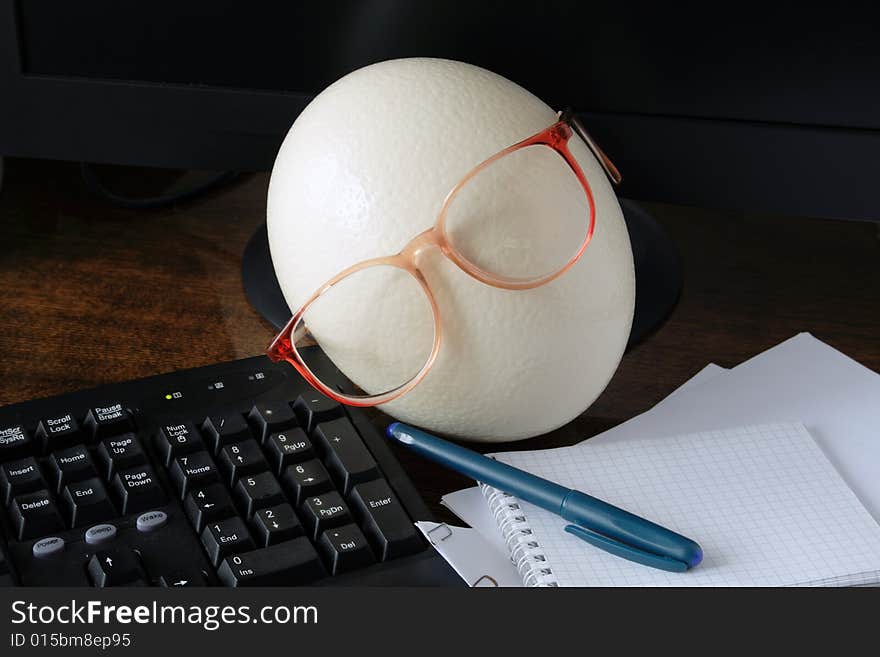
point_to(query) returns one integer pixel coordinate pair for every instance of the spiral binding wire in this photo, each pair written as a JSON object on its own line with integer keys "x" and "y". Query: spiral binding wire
{"x": 525, "y": 552}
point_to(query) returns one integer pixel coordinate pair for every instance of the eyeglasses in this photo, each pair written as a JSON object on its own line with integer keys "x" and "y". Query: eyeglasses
{"x": 517, "y": 221}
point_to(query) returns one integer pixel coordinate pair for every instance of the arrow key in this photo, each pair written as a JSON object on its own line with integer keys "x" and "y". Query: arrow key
{"x": 182, "y": 579}
{"x": 119, "y": 567}
{"x": 207, "y": 504}
{"x": 240, "y": 459}
{"x": 276, "y": 525}
{"x": 305, "y": 480}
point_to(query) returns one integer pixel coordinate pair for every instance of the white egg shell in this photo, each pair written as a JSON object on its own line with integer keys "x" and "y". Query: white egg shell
{"x": 366, "y": 167}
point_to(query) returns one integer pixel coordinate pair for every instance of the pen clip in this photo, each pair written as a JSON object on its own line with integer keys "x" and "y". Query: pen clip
{"x": 626, "y": 551}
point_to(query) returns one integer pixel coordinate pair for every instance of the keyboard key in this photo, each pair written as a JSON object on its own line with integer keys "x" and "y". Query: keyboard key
{"x": 288, "y": 447}
{"x": 177, "y": 439}
{"x": 58, "y": 432}
{"x": 305, "y": 480}
{"x": 18, "y": 477}
{"x": 345, "y": 548}
{"x": 324, "y": 512}
{"x": 110, "y": 420}
{"x": 225, "y": 429}
{"x": 34, "y": 515}
{"x": 69, "y": 465}
{"x": 226, "y": 537}
{"x": 313, "y": 408}
{"x": 180, "y": 579}
{"x": 347, "y": 458}
{"x": 285, "y": 564}
{"x": 276, "y": 524}
{"x": 151, "y": 521}
{"x": 270, "y": 417}
{"x": 193, "y": 471}
{"x": 47, "y": 547}
{"x": 240, "y": 459}
{"x": 384, "y": 521}
{"x": 119, "y": 567}
{"x": 100, "y": 534}
{"x": 120, "y": 453}
{"x": 137, "y": 489}
{"x": 208, "y": 504}
{"x": 257, "y": 491}
{"x": 15, "y": 442}
{"x": 87, "y": 503}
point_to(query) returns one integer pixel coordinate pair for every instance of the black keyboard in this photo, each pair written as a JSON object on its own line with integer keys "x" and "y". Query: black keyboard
{"x": 236, "y": 474}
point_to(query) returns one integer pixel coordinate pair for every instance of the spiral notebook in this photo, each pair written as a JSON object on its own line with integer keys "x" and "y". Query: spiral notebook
{"x": 764, "y": 502}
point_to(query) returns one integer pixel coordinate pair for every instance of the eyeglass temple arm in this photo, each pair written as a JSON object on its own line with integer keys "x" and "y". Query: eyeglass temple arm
{"x": 568, "y": 116}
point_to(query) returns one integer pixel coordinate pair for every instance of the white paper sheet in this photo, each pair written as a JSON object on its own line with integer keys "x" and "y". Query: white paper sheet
{"x": 801, "y": 379}
{"x": 476, "y": 561}
{"x": 470, "y": 505}
{"x": 706, "y": 374}
{"x": 763, "y": 501}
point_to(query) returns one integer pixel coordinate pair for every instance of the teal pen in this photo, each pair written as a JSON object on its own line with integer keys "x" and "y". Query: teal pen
{"x": 603, "y": 525}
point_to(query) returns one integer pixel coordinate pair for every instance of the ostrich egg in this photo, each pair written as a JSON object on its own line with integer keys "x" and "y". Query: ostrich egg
{"x": 366, "y": 167}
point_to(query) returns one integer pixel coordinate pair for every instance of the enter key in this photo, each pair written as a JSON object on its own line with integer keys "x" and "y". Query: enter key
{"x": 385, "y": 523}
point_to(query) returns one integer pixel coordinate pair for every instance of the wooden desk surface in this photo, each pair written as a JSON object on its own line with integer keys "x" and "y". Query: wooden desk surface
{"x": 91, "y": 294}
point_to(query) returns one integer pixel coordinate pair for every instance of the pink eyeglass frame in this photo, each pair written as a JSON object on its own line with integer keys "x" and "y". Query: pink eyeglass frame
{"x": 556, "y": 137}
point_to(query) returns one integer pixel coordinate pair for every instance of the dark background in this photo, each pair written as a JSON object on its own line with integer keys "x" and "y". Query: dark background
{"x": 769, "y": 107}
{"x": 786, "y": 62}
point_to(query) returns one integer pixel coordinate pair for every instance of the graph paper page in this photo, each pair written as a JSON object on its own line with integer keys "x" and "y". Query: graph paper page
{"x": 764, "y": 503}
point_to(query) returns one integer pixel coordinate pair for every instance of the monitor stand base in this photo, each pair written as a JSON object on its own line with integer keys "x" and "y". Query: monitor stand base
{"x": 657, "y": 266}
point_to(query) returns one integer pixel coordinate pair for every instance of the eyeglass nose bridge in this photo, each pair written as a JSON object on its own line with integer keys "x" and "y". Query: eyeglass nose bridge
{"x": 427, "y": 239}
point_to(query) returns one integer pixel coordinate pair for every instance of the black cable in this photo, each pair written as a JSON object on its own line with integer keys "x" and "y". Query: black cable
{"x": 91, "y": 181}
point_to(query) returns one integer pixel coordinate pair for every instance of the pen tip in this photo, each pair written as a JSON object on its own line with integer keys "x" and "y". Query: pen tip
{"x": 400, "y": 432}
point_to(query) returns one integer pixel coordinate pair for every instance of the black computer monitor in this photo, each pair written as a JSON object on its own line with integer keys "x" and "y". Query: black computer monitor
{"x": 714, "y": 105}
